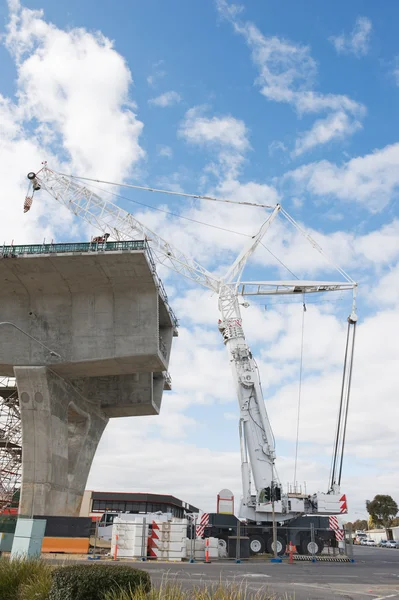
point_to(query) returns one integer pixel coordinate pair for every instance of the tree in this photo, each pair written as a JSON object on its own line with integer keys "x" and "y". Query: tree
{"x": 360, "y": 524}
{"x": 383, "y": 509}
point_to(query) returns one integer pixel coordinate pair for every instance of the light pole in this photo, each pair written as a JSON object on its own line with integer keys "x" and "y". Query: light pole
{"x": 52, "y": 352}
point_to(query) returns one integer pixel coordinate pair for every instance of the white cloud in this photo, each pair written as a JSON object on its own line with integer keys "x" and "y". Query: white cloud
{"x": 287, "y": 73}
{"x": 61, "y": 84}
{"x": 225, "y": 136}
{"x": 371, "y": 180}
{"x": 337, "y": 125}
{"x": 19, "y": 154}
{"x": 225, "y": 131}
{"x": 357, "y": 42}
{"x": 166, "y": 99}
{"x": 158, "y": 73}
{"x": 165, "y": 151}
{"x": 276, "y": 146}
{"x": 385, "y": 291}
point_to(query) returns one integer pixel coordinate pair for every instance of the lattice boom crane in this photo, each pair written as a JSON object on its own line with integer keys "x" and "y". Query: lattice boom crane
{"x": 257, "y": 441}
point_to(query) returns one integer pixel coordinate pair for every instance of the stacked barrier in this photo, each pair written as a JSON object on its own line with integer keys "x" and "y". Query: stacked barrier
{"x": 127, "y": 538}
{"x": 168, "y": 540}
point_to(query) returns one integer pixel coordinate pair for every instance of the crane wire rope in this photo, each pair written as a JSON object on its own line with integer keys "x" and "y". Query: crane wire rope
{"x": 168, "y": 192}
{"x": 315, "y": 245}
{"x": 340, "y": 431}
{"x": 280, "y": 261}
{"x": 167, "y": 212}
{"x": 347, "y": 400}
{"x": 299, "y": 392}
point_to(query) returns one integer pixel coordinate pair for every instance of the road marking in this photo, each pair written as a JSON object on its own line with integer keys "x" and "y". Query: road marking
{"x": 343, "y": 575}
{"x": 390, "y": 596}
{"x": 255, "y": 575}
{"x": 332, "y": 590}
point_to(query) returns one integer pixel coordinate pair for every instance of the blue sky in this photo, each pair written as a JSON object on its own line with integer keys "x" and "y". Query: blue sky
{"x": 267, "y": 101}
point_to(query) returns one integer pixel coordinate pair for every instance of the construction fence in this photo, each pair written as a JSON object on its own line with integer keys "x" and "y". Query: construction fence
{"x": 177, "y": 540}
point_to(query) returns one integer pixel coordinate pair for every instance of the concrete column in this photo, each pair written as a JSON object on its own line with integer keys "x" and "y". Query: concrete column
{"x": 60, "y": 434}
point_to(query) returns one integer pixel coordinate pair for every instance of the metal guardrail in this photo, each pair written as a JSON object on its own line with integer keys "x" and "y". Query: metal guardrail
{"x": 73, "y": 247}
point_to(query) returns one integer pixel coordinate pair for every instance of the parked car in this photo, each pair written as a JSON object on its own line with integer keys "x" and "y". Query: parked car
{"x": 363, "y": 542}
{"x": 392, "y": 544}
{"x": 383, "y": 543}
{"x": 371, "y": 542}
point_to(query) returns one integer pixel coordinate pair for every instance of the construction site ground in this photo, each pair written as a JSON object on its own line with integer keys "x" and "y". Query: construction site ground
{"x": 373, "y": 575}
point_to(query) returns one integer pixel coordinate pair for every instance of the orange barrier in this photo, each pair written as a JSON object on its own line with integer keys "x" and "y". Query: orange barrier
{"x": 66, "y": 545}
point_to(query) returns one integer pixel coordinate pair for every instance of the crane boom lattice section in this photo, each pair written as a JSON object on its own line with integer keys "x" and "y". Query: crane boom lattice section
{"x": 106, "y": 216}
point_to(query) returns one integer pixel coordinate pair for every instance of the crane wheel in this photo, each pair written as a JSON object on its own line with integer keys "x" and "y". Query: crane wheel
{"x": 256, "y": 544}
{"x": 281, "y": 545}
{"x": 311, "y": 548}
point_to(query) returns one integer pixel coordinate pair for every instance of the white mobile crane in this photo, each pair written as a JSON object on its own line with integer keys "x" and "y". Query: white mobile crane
{"x": 256, "y": 437}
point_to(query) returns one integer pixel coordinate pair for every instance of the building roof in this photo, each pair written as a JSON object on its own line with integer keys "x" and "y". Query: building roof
{"x": 144, "y": 497}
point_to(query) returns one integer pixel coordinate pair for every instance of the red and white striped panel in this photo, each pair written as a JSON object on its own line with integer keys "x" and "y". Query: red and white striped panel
{"x": 153, "y": 541}
{"x": 343, "y": 505}
{"x": 334, "y": 525}
{"x": 200, "y": 529}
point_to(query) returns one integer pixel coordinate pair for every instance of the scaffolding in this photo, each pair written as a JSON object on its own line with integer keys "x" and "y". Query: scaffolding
{"x": 10, "y": 443}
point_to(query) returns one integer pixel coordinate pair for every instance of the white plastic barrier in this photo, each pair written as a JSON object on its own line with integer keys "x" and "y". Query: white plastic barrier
{"x": 129, "y": 538}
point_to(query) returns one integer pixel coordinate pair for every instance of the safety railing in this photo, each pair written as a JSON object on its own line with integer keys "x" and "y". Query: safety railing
{"x": 73, "y": 247}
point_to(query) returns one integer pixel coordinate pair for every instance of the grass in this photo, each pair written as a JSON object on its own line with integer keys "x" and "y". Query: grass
{"x": 24, "y": 579}
{"x": 213, "y": 592}
{"x": 32, "y": 579}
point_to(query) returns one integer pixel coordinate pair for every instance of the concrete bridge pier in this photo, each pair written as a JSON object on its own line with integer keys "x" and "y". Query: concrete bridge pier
{"x": 61, "y": 431}
{"x": 87, "y": 332}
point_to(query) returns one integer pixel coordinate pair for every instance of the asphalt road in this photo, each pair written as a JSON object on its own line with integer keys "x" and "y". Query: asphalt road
{"x": 375, "y": 575}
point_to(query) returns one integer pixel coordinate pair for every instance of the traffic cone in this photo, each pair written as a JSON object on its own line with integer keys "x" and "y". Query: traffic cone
{"x": 291, "y": 552}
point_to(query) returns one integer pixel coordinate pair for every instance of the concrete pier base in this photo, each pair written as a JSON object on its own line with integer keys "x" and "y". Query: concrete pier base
{"x": 61, "y": 431}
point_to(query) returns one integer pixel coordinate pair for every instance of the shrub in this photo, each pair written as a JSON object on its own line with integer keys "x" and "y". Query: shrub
{"x": 18, "y": 575}
{"x": 92, "y": 582}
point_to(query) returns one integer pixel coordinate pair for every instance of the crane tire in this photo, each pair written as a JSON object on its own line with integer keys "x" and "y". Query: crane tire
{"x": 311, "y": 548}
{"x": 281, "y": 545}
{"x": 256, "y": 544}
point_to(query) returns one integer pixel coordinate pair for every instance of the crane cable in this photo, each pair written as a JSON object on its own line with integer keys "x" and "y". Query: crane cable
{"x": 168, "y": 212}
{"x": 168, "y": 192}
{"x": 299, "y": 391}
{"x": 340, "y": 431}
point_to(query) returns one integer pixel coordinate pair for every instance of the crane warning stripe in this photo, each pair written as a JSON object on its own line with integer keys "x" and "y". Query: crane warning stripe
{"x": 343, "y": 504}
{"x": 200, "y": 529}
{"x": 334, "y": 525}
